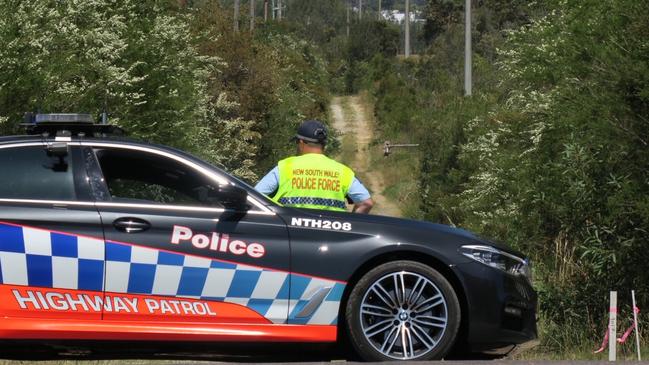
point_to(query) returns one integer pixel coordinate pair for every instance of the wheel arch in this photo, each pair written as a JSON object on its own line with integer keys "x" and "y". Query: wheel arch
{"x": 416, "y": 256}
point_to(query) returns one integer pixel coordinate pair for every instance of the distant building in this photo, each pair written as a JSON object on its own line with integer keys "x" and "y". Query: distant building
{"x": 398, "y": 17}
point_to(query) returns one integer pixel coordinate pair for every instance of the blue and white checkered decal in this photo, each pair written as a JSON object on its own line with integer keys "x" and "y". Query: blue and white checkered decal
{"x": 36, "y": 257}
{"x": 41, "y": 258}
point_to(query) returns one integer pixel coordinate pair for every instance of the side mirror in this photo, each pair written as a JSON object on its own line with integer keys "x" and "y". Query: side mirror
{"x": 231, "y": 196}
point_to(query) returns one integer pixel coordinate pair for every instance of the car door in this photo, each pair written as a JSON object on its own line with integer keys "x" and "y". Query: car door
{"x": 51, "y": 239}
{"x": 173, "y": 252}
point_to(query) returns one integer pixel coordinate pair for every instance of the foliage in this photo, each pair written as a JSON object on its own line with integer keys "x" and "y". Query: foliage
{"x": 137, "y": 60}
{"x": 168, "y": 73}
{"x": 550, "y": 155}
{"x": 276, "y": 79}
{"x": 368, "y": 39}
{"x": 439, "y": 15}
{"x": 566, "y": 162}
{"x": 320, "y": 22}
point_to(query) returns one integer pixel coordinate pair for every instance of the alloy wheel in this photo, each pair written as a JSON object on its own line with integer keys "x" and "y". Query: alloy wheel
{"x": 403, "y": 315}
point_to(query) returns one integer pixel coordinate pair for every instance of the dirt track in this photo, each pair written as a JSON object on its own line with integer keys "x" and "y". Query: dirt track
{"x": 350, "y": 117}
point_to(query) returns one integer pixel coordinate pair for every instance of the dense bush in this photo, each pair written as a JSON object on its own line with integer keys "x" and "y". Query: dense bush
{"x": 368, "y": 39}
{"x": 136, "y": 60}
{"x": 276, "y": 78}
{"x": 562, "y": 172}
{"x": 168, "y": 73}
{"x": 550, "y": 155}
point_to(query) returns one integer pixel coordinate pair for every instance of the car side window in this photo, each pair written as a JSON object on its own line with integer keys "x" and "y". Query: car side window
{"x": 33, "y": 173}
{"x": 136, "y": 176}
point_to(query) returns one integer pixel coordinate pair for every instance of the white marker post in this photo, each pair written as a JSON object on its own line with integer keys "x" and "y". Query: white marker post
{"x": 612, "y": 327}
{"x": 635, "y": 324}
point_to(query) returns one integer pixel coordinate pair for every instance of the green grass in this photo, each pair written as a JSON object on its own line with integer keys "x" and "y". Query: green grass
{"x": 578, "y": 341}
{"x": 347, "y": 152}
{"x": 625, "y": 352}
{"x": 400, "y": 170}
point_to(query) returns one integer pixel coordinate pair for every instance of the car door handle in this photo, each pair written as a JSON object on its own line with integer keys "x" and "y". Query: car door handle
{"x": 131, "y": 225}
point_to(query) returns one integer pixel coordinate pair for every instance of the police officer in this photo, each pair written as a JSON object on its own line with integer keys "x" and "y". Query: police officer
{"x": 311, "y": 179}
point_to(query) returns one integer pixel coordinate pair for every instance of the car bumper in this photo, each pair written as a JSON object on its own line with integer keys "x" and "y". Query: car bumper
{"x": 500, "y": 310}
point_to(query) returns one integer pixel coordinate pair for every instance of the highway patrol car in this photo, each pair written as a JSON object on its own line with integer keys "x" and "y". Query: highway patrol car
{"x": 104, "y": 238}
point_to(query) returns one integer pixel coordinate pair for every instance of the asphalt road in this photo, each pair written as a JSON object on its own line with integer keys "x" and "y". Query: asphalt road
{"x": 154, "y": 353}
{"x": 138, "y": 353}
{"x": 122, "y": 353}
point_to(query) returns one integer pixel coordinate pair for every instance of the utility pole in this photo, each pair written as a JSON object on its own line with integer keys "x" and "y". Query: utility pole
{"x": 468, "y": 83}
{"x": 360, "y": 9}
{"x": 252, "y": 15}
{"x": 265, "y": 11}
{"x": 380, "y": 10}
{"x": 236, "y": 15}
{"x": 407, "y": 32}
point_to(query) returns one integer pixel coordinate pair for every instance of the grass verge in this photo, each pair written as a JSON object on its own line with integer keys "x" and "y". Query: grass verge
{"x": 400, "y": 169}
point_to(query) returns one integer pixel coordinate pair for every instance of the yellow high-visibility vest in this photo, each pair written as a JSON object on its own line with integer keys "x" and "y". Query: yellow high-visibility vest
{"x": 313, "y": 181}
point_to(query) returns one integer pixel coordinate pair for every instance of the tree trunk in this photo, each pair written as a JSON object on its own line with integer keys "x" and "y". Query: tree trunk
{"x": 360, "y": 9}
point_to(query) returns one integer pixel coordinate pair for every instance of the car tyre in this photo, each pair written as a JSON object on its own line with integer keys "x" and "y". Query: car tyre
{"x": 402, "y": 310}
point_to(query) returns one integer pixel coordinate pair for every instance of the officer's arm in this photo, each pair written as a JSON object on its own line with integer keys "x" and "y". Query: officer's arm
{"x": 269, "y": 184}
{"x": 363, "y": 207}
{"x": 359, "y": 194}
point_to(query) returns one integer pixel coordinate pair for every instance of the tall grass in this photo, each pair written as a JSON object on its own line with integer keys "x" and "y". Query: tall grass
{"x": 400, "y": 169}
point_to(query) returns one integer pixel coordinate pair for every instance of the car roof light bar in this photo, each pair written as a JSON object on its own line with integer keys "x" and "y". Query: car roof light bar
{"x": 69, "y": 124}
{"x": 63, "y": 118}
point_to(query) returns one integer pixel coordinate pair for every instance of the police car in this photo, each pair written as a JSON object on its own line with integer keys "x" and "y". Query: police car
{"x": 105, "y": 238}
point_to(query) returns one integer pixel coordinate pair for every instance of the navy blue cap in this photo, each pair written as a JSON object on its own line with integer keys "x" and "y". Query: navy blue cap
{"x": 312, "y": 131}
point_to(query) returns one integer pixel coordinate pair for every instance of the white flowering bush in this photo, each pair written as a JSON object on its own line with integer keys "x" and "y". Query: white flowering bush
{"x": 135, "y": 59}
{"x": 550, "y": 155}
{"x": 562, "y": 169}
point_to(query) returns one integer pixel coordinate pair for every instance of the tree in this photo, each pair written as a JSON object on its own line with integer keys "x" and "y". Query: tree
{"x": 439, "y": 15}
{"x": 561, "y": 170}
{"x": 269, "y": 77}
{"x": 136, "y": 59}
